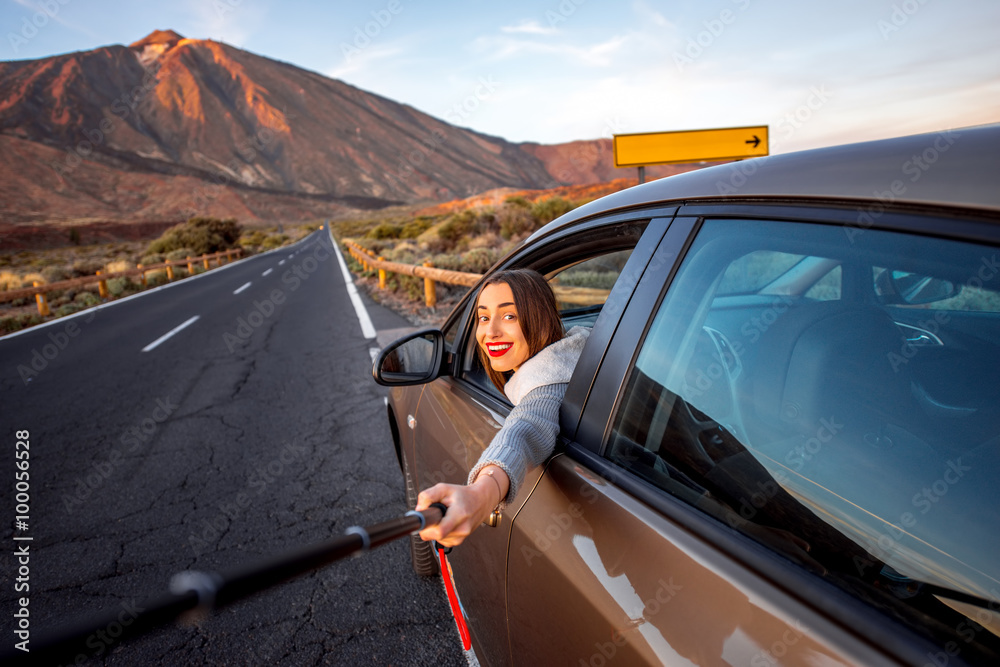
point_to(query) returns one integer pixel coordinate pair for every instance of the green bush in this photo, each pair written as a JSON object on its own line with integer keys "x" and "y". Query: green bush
{"x": 515, "y": 220}
{"x": 87, "y": 299}
{"x": 385, "y": 231}
{"x": 273, "y": 241}
{"x": 54, "y": 274}
{"x": 595, "y": 279}
{"x": 68, "y": 309}
{"x": 415, "y": 228}
{"x": 86, "y": 267}
{"x": 479, "y": 260}
{"x": 13, "y": 323}
{"x": 201, "y": 235}
{"x": 180, "y": 254}
{"x": 252, "y": 238}
{"x": 123, "y": 286}
{"x": 547, "y": 210}
{"x": 459, "y": 226}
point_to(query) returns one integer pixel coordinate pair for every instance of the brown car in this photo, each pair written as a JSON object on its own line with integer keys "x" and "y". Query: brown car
{"x": 782, "y": 442}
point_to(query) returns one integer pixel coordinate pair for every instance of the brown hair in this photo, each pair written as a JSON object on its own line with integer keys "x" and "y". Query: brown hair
{"x": 537, "y": 314}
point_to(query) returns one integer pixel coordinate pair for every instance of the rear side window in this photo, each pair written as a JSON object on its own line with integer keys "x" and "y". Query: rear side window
{"x": 854, "y": 431}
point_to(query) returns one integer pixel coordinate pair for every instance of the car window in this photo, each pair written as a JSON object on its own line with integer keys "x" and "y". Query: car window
{"x": 803, "y": 414}
{"x": 581, "y": 271}
{"x": 582, "y": 288}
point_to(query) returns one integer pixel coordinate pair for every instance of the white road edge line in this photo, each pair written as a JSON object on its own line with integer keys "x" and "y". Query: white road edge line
{"x": 367, "y": 328}
{"x": 170, "y": 333}
{"x": 241, "y": 288}
{"x": 266, "y": 273}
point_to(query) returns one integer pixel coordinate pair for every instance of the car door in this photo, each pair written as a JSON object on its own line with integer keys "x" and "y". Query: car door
{"x": 751, "y": 480}
{"x": 458, "y": 415}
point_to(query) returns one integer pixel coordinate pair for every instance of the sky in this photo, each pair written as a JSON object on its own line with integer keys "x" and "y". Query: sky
{"x": 816, "y": 73}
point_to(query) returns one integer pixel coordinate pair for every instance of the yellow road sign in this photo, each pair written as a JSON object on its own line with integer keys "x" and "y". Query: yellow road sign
{"x": 731, "y": 143}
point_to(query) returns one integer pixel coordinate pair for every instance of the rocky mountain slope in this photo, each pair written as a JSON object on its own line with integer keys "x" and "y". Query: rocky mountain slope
{"x": 169, "y": 127}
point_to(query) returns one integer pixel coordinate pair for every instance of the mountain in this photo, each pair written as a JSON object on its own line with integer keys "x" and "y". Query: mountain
{"x": 169, "y": 127}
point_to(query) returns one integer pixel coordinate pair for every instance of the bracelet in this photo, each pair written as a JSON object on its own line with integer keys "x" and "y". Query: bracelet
{"x": 493, "y": 520}
{"x": 489, "y": 473}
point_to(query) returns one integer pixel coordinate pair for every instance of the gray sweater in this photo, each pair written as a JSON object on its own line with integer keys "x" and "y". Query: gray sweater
{"x": 536, "y": 389}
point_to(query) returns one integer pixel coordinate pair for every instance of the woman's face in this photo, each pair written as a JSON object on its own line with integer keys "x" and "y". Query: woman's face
{"x": 499, "y": 331}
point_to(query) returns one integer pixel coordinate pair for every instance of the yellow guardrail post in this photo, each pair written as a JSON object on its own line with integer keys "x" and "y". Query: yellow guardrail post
{"x": 142, "y": 275}
{"x": 381, "y": 274}
{"x": 102, "y": 287}
{"x": 204, "y": 259}
{"x": 430, "y": 294}
{"x": 190, "y": 266}
{"x": 43, "y": 305}
{"x": 170, "y": 271}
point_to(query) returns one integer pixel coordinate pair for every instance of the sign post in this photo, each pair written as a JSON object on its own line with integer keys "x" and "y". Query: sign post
{"x": 719, "y": 145}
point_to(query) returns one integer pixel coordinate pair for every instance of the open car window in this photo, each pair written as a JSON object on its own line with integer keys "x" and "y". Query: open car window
{"x": 779, "y": 390}
{"x": 581, "y": 271}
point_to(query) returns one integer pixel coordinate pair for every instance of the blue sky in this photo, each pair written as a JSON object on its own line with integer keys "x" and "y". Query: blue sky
{"x": 817, "y": 73}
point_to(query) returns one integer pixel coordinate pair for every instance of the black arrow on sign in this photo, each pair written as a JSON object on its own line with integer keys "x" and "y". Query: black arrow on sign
{"x": 755, "y": 141}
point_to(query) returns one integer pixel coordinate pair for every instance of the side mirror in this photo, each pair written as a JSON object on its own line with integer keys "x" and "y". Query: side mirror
{"x": 413, "y": 359}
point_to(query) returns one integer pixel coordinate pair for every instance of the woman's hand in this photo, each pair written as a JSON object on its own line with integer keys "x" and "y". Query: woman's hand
{"x": 468, "y": 506}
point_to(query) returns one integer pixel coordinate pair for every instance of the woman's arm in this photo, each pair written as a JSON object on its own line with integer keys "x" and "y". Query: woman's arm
{"x": 526, "y": 439}
{"x": 468, "y": 505}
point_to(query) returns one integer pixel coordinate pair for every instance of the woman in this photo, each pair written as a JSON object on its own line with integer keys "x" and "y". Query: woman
{"x": 528, "y": 357}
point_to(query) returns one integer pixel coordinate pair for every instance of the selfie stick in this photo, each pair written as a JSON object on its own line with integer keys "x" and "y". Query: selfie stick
{"x": 196, "y": 594}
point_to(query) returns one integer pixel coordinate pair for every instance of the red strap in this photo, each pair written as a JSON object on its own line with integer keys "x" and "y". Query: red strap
{"x": 456, "y": 608}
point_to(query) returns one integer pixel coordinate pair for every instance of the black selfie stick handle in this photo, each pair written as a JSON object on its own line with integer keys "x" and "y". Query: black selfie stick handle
{"x": 198, "y": 593}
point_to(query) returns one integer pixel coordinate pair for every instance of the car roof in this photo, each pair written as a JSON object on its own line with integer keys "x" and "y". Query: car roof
{"x": 959, "y": 167}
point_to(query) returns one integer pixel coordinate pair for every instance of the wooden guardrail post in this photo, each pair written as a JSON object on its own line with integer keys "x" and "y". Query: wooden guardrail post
{"x": 430, "y": 294}
{"x": 204, "y": 259}
{"x": 101, "y": 278}
{"x": 102, "y": 287}
{"x": 190, "y": 266}
{"x": 43, "y": 305}
{"x": 381, "y": 274}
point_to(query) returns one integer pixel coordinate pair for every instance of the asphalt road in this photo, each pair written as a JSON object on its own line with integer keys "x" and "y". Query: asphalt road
{"x": 254, "y": 429}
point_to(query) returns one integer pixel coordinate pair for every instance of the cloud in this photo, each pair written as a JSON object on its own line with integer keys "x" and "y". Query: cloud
{"x": 222, "y": 21}
{"x": 595, "y": 55}
{"x": 529, "y": 27}
{"x": 356, "y": 61}
{"x": 54, "y": 14}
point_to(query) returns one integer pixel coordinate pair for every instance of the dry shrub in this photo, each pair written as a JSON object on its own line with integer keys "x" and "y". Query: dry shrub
{"x": 86, "y": 267}
{"x": 9, "y": 281}
{"x": 30, "y": 279}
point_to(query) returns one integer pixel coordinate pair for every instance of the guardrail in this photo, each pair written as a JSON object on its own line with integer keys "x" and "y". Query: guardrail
{"x": 39, "y": 290}
{"x": 584, "y": 296}
{"x": 428, "y": 272}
